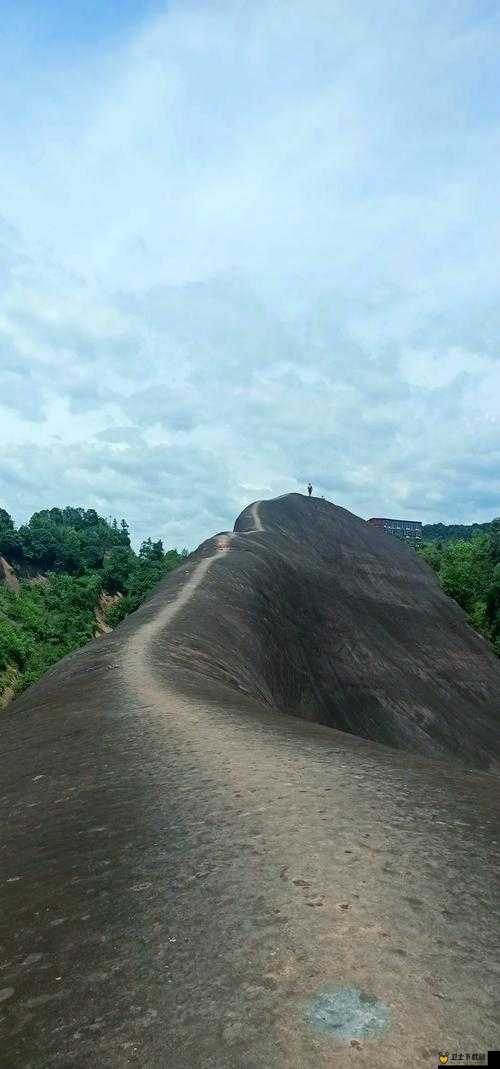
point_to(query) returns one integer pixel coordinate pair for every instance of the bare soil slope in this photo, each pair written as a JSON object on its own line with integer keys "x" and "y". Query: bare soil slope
{"x": 8, "y": 575}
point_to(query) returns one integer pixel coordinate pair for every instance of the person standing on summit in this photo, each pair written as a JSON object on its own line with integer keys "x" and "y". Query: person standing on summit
{"x": 309, "y": 489}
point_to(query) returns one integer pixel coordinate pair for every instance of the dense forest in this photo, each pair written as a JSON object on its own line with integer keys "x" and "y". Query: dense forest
{"x": 468, "y": 569}
{"x": 453, "y": 532}
{"x": 69, "y": 574}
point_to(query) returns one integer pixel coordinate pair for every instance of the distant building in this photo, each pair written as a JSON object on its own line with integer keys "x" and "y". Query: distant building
{"x": 406, "y": 530}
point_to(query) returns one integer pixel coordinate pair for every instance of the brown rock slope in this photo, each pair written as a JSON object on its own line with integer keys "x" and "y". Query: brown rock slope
{"x": 317, "y": 614}
{"x": 192, "y": 879}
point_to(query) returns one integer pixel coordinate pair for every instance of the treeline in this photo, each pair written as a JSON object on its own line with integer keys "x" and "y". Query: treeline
{"x": 469, "y": 571}
{"x": 67, "y": 562}
{"x": 453, "y": 532}
{"x": 71, "y": 540}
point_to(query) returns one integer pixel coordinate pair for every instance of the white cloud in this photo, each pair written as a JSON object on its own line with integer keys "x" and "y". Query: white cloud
{"x": 441, "y": 367}
{"x": 255, "y": 244}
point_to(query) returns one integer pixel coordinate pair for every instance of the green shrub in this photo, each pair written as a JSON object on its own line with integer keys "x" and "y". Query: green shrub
{"x": 469, "y": 571}
{"x": 84, "y": 556}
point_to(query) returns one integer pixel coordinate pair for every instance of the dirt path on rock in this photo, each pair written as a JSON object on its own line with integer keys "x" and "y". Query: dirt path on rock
{"x": 335, "y": 873}
{"x": 256, "y": 516}
{"x": 11, "y": 580}
{"x": 183, "y": 873}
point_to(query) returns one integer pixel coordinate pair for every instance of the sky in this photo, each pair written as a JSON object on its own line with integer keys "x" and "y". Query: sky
{"x": 245, "y": 244}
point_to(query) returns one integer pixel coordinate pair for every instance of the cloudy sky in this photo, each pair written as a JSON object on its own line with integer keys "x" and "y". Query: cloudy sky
{"x": 245, "y": 243}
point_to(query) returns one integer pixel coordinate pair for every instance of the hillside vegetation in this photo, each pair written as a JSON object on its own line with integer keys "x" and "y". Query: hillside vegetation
{"x": 454, "y": 532}
{"x": 60, "y": 566}
{"x": 469, "y": 571}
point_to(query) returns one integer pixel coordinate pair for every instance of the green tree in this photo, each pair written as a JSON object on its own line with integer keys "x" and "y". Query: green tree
{"x": 117, "y": 569}
{"x": 124, "y": 530}
{"x": 433, "y": 554}
{"x": 11, "y": 545}
{"x": 495, "y": 541}
{"x": 81, "y": 555}
{"x": 465, "y": 570}
{"x": 6, "y": 521}
{"x": 493, "y": 607}
{"x": 148, "y": 570}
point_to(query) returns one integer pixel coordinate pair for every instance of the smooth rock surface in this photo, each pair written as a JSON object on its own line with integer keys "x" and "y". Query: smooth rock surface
{"x": 185, "y": 868}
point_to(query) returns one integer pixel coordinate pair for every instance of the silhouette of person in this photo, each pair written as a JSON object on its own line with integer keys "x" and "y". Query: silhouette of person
{"x": 309, "y": 489}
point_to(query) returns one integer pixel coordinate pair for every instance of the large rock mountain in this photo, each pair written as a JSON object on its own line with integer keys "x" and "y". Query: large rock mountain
{"x": 315, "y": 613}
{"x": 320, "y": 615}
{"x": 191, "y": 877}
